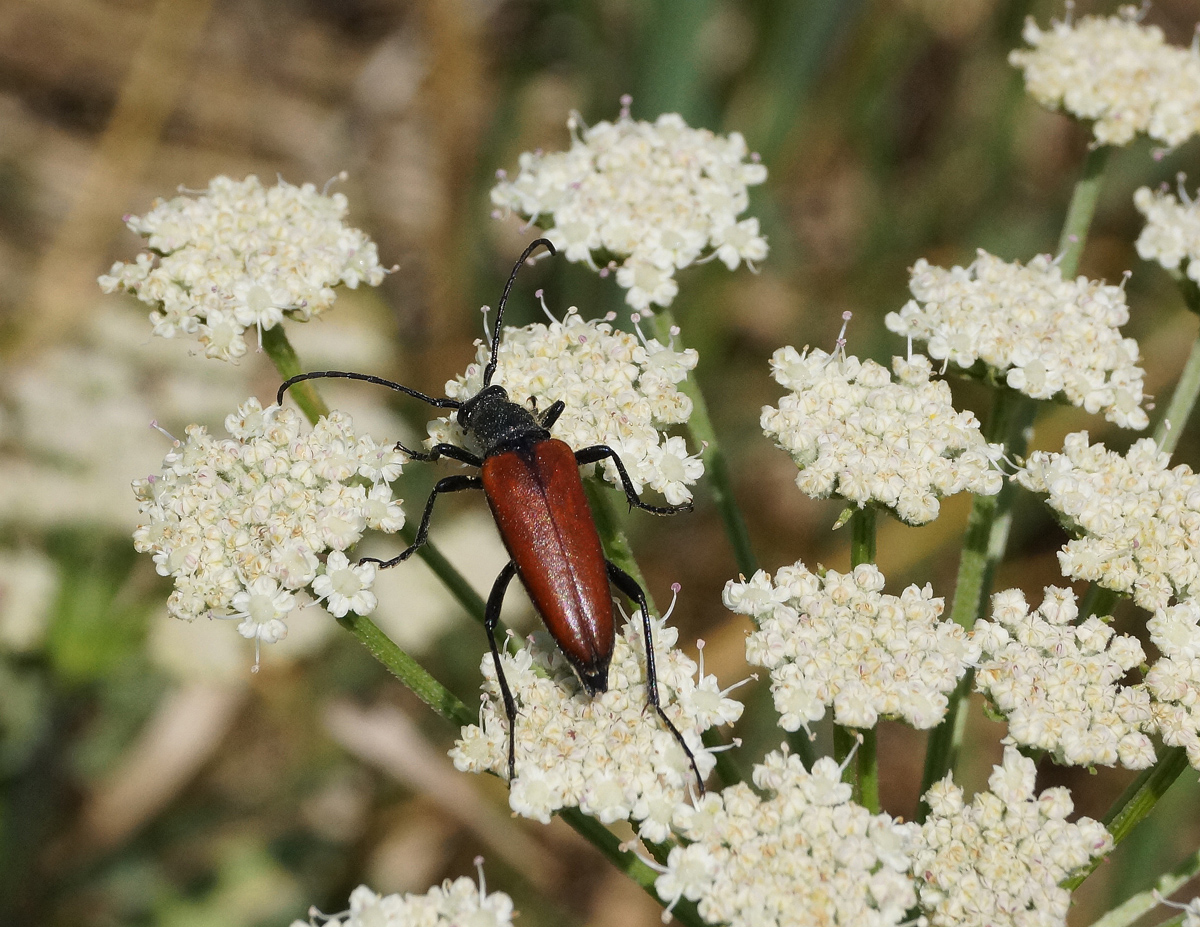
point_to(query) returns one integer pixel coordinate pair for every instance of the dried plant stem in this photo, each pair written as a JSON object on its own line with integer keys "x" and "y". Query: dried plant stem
{"x": 720, "y": 486}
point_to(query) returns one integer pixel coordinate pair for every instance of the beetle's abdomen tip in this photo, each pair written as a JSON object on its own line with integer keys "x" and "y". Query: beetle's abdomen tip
{"x": 596, "y": 681}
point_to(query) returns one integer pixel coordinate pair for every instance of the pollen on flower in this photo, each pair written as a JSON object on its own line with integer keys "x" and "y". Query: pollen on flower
{"x": 1171, "y": 235}
{"x": 839, "y": 641}
{"x": 455, "y": 903}
{"x": 659, "y": 196}
{"x": 998, "y": 861}
{"x": 1174, "y": 678}
{"x": 1119, "y": 74}
{"x": 857, "y": 435}
{"x": 1058, "y": 683}
{"x": 803, "y": 854}
{"x": 1044, "y": 336}
{"x": 1136, "y": 523}
{"x": 605, "y": 754}
{"x": 618, "y": 389}
{"x": 241, "y": 255}
{"x": 242, "y": 524}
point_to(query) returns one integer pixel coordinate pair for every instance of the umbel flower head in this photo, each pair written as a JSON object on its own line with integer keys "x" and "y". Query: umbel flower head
{"x": 618, "y": 389}
{"x": 1174, "y": 679}
{"x": 655, "y": 196}
{"x": 838, "y": 641}
{"x": 857, "y": 435}
{"x": 998, "y": 861}
{"x": 1116, "y": 72}
{"x": 1044, "y": 336}
{"x": 457, "y": 903}
{"x": 240, "y": 255}
{"x": 1136, "y": 523}
{"x": 245, "y": 524}
{"x": 1171, "y": 235}
{"x": 1058, "y": 683}
{"x": 804, "y": 854}
{"x": 605, "y": 754}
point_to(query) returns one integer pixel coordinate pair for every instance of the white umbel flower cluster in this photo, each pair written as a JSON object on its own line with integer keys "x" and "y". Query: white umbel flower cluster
{"x": 1116, "y": 72}
{"x": 998, "y": 861}
{"x": 1044, "y": 336}
{"x": 607, "y": 754}
{"x": 806, "y": 854}
{"x": 244, "y": 524}
{"x": 1136, "y": 523}
{"x": 1172, "y": 232}
{"x": 618, "y": 389}
{"x": 1174, "y": 679}
{"x": 457, "y": 903}
{"x": 241, "y": 255}
{"x": 1058, "y": 683}
{"x": 838, "y": 641}
{"x": 658, "y": 196}
{"x": 856, "y": 434}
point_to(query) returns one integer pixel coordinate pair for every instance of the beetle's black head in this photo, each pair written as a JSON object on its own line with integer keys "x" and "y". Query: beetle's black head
{"x": 497, "y": 423}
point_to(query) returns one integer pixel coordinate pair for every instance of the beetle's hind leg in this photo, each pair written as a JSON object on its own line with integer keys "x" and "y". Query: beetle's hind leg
{"x": 491, "y": 617}
{"x": 628, "y": 585}
{"x": 598, "y": 452}
{"x": 444, "y": 485}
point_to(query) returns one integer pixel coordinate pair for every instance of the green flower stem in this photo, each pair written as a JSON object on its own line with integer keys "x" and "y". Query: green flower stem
{"x": 1126, "y": 913}
{"x": 720, "y": 486}
{"x": 983, "y": 546}
{"x": 283, "y": 356}
{"x": 408, "y": 670}
{"x": 1172, "y": 423}
{"x": 1136, "y": 804}
{"x": 1081, "y": 210}
{"x": 629, "y": 863}
{"x": 866, "y": 786}
{"x": 1097, "y": 601}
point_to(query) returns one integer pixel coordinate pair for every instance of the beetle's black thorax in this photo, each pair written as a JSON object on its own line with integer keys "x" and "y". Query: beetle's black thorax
{"x": 498, "y": 423}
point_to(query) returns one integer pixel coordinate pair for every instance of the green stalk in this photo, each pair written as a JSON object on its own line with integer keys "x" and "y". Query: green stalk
{"x": 287, "y": 362}
{"x": 866, "y": 785}
{"x": 720, "y": 486}
{"x": 1130, "y": 910}
{"x": 983, "y": 547}
{"x": 862, "y": 536}
{"x": 631, "y": 864}
{"x": 1080, "y": 211}
{"x": 1175, "y": 418}
{"x": 1136, "y": 803}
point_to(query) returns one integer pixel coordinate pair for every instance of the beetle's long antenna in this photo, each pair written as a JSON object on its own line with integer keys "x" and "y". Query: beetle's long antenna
{"x": 347, "y": 375}
{"x": 490, "y": 369}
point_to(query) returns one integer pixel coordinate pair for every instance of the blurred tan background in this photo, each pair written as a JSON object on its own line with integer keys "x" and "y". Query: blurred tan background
{"x": 146, "y": 778}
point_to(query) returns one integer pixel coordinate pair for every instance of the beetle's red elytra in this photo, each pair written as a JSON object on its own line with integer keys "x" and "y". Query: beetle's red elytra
{"x": 532, "y": 485}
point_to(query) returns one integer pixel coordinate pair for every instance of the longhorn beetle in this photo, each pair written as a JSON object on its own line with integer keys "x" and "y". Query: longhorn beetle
{"x": 532, "y": 484}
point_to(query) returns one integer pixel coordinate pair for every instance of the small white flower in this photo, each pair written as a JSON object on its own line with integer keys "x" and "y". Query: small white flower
{"x": 1116, "y": 72}
{"x": 607, "y": 755}
{"x": 659, "y": 196}
{"x": 345, "y": 588}
{"x": 1171, "y": 235}
{"x": 837, "y": 641}
{"x": 455, "y": 903}
{"x": 1174, "y": 679}
{"x": 997, "y": 861}
{"x": 618, "y": 389}
{"x": 1058, "y": 683}
{"x": 1044, "y": 336}
{"x": 803, "y": 854}
{"x": 262, "y": 606}
{"x": 241, "y": 255}
{"x": 1136, "y": 523}
{"x": 856, "y": 434}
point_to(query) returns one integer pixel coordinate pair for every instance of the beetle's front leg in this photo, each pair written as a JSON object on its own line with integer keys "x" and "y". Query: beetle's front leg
{"x": 598, "y": 452}
{"x": 444, "y": 485}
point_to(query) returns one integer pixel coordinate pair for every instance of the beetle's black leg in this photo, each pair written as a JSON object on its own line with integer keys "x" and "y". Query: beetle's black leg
{"x": 446, "y": 484}
{"x": 598, "y": 452}
{"x": 453, "y": 451}
{"x": 628, "y": 585}
{"x": 551, "y": 415}
{"x": 491, "y": 617}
